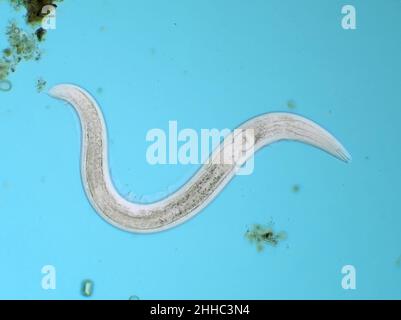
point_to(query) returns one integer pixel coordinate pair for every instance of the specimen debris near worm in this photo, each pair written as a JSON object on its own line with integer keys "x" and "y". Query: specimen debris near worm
{"x": 261, "y": 235}
{"x": 200, "y": 190}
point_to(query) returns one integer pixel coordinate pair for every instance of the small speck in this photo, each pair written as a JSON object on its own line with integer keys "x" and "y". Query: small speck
{"x": 99, "y": 90}
{"x": 7, "y": 112}
{"x": 296, "y": 188}
{"x": 87, "y": 288}
{"x": 5, "y": 185}
{"x": 398, "y": 262}
{"x": 291, "y": 104}
{"x": 134, "y": 298}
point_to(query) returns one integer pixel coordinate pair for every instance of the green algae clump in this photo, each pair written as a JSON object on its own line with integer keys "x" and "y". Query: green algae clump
{"x": 261, "y": 235}
{"x": 21, "y": 47}
{"x": 4, "y": 69}
{"x": 34, "y": 14}
{"x": 24, "y": 46}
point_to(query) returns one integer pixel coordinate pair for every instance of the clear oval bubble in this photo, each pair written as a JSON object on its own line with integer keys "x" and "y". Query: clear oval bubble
{"x": 5, "y": 85}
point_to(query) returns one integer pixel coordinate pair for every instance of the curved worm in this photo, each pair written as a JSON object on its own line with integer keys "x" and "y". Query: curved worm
{"x": 200, "y": 190}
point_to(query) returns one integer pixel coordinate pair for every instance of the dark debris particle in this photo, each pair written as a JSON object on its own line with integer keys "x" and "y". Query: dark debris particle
{"x": 262, "y": 235}
{"x": 40, "y": 34}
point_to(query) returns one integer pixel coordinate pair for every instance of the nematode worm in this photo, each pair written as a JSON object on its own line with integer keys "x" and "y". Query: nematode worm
{"x": 200, "y": 190}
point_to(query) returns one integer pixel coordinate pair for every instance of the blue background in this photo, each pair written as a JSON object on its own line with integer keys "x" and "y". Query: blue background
{"x": 208, "y": 64}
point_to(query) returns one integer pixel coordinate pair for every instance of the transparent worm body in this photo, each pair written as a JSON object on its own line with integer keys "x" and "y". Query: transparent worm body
{"x": 200, "y": 190}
